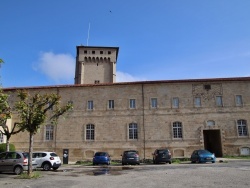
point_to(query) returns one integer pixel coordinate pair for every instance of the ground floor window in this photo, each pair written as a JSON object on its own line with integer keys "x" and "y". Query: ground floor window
{"x": 133, "y": 131}
{"x": 177, "y": 130}
{"x": 90, "y": 132}
{"x": 242, "y": 127}
{"x": 1, "y": 137}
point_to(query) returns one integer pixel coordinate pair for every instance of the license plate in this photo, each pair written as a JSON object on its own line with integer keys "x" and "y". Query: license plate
{"x": 208, "y": 158}
{"x": 130, "y": 158}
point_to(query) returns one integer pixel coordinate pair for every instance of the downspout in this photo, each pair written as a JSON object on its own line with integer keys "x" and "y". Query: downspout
{"x": 57, "y": 92}
{"x": 143, "y": 124}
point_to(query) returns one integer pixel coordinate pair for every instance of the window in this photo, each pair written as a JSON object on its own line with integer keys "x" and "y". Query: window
{"x": 97, "y": 81}
{"x": 90, "y": 105}
{"x": 242, "y": 127}
{"x": 177, "y": 130}
{"x": 109, "y": 52}
{"x": 93, "y": 52}
{"x": 1, "y": 137}
{"x": 70, "y": 102}
{"x": 90, "y": 132}
{"x": 207, "y": 87}
{"x": 49, "y": 132}
{"x": 132, "y": 103}
{"x": 133, "y": 131}
{"x": 210, "y": 123}
{"x": 175, "y": 102}
{"x": 218, "y": 100}
{"x": 154, "y": 102}
{"x": 101, "y": 52}
{"x": 197, "y": 102}
{"x": 111, "y": 104}
{"x": 239, "y": 100}
{"x": 85, "y": 51}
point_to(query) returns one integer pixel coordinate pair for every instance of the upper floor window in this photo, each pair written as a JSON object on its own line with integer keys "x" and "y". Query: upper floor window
{"x": 154, "y": 102}
{"x": 219, "y": 101}
{"x": 133, "y": 131}
{"x": 238, "y": 100}
{"x": 49, "y": 132}
{"x": 90, "y": 105}
{"x": 111, "y": 104}
{"x": 175, "y": 102}
{"x": 177, "y": 130}
{"x": 242, "y": 127}
{"x": 90, "y": 132}
{"x": 197, "y": 102}
{"x": 1, "y": 137}
{"x": 132, "y": 103}
{"x": 97, "y": 81}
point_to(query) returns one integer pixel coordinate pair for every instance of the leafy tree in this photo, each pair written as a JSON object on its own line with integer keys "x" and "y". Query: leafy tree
{"x": 35, "y": 110}
{"x": 5, "y": 114}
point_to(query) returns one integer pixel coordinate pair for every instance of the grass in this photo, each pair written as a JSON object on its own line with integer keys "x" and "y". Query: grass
{"x": 33, "y": 175}
{"x": 236, "y": 157}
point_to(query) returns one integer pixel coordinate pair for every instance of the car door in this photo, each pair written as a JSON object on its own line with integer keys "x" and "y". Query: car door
{"x": 11, "y": 159}
{"x": 194, "y": 156}
{"x": 37, "y": 158}
{"x": 2, "y": 161}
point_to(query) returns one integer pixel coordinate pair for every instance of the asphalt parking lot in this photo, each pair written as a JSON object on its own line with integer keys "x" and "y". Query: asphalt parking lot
{"x": 234, "y": 173}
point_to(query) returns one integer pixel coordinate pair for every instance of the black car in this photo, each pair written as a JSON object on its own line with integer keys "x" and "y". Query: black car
{"x": 162, "y": 156}
{"x": 130, "y": 157}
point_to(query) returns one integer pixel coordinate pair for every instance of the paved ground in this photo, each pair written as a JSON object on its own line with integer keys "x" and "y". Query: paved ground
{"x": 229, "y": 173}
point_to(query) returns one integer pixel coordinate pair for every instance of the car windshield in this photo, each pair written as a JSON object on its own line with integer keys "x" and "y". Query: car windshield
{"x": 162, "y": 151}
{"x": 204, "y": 152}
{"x": 130, "y": 152}
{"x": 100, "y": 154}
{"x": 53, "y": 155}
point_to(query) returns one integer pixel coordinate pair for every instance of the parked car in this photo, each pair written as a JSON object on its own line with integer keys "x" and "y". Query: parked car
{"x": 47, "y": 160}
{"x": 15, "y": 161}
{"x": 162, "y": 155}
{"x": 101, "y": 158}
{"x": 130, "y": 157}
{"x": 202, "y": 156}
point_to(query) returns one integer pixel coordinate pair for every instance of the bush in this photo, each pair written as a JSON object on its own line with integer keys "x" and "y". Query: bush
{"x": 3, "y": 147}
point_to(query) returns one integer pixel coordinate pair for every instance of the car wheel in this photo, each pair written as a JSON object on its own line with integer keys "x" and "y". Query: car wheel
{"x": 123, "y": 164}
{"x": 55, "y": 168}
{"x": 18, "y": 170}
{"x": 213, "y": 161}
{"x": 169, "y": 162}
{"x": 46, "y": 166}
{"x": 192, "y": 161}
{"x": 138, "y": 163}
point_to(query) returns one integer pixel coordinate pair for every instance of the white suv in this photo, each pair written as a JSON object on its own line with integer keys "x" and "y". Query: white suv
{"x": 47, "y": 160}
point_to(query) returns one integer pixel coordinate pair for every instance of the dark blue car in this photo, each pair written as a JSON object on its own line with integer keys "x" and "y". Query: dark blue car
{"x": 202, "y": 156}
{"x": 101, "y": 158}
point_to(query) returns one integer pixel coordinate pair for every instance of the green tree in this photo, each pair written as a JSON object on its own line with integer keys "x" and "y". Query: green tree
{"x": 35, "y": 110}
{"x": 5, "y": 114}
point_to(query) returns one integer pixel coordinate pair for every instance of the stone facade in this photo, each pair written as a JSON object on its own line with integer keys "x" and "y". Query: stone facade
{"x": 182, "y": 115}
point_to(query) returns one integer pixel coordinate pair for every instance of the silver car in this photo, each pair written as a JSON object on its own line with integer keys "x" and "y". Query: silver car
{"x": 14, "y": 161}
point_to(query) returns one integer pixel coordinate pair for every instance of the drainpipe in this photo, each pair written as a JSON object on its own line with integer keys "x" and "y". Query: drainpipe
{"x": 143, "y": 123}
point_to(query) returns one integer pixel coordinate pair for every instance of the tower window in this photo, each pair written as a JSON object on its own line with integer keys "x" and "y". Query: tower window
{"x": 109, "y": 52}
{"x": 85, "y": 51}
{"x": 101, "y": 52}
{"x": 207, "y": 87}
{"x": 93, "y": 52}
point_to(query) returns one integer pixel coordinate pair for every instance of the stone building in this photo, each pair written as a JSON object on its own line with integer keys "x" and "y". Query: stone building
{"x": 181, "y": 115}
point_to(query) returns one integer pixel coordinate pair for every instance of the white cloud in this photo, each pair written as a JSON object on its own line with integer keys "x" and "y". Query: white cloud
{"x": 125, "y": 77}
{"x": 58, "y": 67}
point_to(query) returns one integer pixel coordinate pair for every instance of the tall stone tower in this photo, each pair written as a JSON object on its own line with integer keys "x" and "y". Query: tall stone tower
{"x": 96, "y": 65}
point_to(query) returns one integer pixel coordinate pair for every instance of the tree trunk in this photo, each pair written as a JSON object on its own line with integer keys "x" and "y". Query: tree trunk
{"x": 8, "y": 143}
{"x": 30, "y": 154}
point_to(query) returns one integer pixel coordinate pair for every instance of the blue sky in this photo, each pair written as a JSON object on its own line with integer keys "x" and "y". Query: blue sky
{"x": 158, "y": 40}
